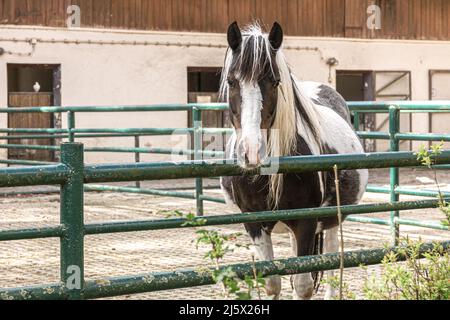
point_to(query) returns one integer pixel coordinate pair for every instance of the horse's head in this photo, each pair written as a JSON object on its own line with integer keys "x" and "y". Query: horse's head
{"x": 250, "y": 80}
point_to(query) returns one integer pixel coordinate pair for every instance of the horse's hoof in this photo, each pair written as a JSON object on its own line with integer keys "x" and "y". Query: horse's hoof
{"x": 273, "y": 287}
{"x": 330, "y": 294}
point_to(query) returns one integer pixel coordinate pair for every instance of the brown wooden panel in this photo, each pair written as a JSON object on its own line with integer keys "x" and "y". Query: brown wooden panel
{"x": 163, "y": 14}
{"x": 177, "y": 14}
{"x": 415, "y": 20}
{"x": 434, "y": 19}
{"x": 102, "y": 10}
{"x": 147, "y": 15}
{"x": 117, "y": 13}
{"x": 389, "y": 22}
{"x": 21, "y": 12}
{"x": 266, "y": 12}
{"x": 305, "y": 19}
{"x": 335, "y": 21}
{"x": 216, "y": 19}
{"x": 57, "y": 13}
{"x": 193, "y": 20}
{"x": 428, "y": 18}
{"x": 243, "y": 11}
{"x": 30, "y": 120}
{"x": 445, "y": 18}
{"x": 355, "y": 18}
{"x": 289, "y": 19}
{"x": 311, "y": 17}
{"x": 401, "y": 19}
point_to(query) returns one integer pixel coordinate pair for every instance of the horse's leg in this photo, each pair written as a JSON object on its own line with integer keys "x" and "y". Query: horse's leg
{"x": 260, "y": 234}
{"x": 302, "y": 242}
{"x": 331, "y": 244}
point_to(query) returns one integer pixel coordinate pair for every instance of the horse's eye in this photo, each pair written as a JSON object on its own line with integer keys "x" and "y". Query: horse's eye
{"x": 276, "y": 83}
{"x": 230, "y": 82}
{"x": 233, "y": 109}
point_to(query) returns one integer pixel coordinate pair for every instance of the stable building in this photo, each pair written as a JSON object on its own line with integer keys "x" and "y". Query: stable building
{"x": 110, "y": 52}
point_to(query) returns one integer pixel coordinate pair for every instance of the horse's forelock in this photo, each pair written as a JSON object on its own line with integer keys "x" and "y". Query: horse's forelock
{"x": 252, "y": 59}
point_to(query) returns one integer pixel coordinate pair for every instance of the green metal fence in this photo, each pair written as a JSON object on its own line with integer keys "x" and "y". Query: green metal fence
{"x": 71, "y": 133}
{"x": 71, "y": 174}
{"x": 395, "y": 136}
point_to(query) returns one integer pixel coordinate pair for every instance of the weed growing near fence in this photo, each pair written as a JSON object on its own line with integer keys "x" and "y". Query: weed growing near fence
{"x": 427, "y": 159}
{"x": 420, "y": 277}
{"x": 221, "y": 244}
{"x": 416, "y": 279}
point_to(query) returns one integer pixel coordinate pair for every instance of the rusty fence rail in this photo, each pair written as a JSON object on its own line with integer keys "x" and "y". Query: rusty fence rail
{"x": 71, "y": 174}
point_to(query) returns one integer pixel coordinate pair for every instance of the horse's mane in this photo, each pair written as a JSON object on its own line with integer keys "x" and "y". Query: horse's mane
{"x": 256, "y": 53}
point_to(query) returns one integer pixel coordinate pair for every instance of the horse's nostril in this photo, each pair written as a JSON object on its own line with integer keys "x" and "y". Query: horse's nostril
{"x": 246, "y": 159}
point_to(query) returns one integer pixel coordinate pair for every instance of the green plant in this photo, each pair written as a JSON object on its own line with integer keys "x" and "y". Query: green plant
{"x": 422, "y": 276}
{"x": 416, "y": 278}
{"x": 243, "y": 289}
{"x": 337, "y": 284}
{"x": 220, "y": 245}
{"x": 428, "y": 159}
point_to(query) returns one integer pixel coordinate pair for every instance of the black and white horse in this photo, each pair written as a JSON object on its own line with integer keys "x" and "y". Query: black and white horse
{"x": 274, "y": 115}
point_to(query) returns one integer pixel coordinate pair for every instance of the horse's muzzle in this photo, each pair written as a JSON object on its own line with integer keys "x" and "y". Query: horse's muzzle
{"x": 251, "y": 154}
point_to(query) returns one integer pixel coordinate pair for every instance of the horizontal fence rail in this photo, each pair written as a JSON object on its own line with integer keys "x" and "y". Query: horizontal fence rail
{"x": 41, "y": 175}
{"x": 226, "y": 219}
{"x": 71, "y": 173}
{"x": 214, "y": 168}
{"x": 116, "y": 286}
{"x": 363, "y": 106}
{"x": 391, "y": 107}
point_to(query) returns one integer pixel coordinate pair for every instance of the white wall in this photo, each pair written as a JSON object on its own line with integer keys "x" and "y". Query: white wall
{"x": 96, "y": 74}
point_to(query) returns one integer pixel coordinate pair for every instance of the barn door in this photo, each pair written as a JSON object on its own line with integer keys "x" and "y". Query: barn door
{"x": 30, "y": 120}
{"x": 439, "y": 90}
{"x": 392, "y": 85}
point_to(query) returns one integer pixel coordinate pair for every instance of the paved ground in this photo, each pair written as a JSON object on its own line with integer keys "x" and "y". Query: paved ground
{"x": 31, "y": 262}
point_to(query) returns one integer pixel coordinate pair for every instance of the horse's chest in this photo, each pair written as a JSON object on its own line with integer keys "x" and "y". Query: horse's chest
{"x": 250, "y": 194}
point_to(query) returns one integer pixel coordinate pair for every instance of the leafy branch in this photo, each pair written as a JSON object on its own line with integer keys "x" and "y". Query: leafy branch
{"x": 221, "y": 244}
{"x": 429, "y": 159}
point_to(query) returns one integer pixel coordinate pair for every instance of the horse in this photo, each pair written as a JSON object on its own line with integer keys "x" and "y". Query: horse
{"x": 274, "y": 114}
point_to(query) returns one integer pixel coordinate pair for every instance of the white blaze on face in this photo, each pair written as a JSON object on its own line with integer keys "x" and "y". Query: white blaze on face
{"x": 251, "y": 121}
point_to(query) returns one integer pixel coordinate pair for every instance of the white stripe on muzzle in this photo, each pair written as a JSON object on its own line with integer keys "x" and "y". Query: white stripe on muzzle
{"x": 251, "y": 139}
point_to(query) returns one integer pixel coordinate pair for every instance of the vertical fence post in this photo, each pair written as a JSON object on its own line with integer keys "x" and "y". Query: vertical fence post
{"x": 137, "y": 156}
{"x": 72, "y": 219}
{"x": 197, "y": 122}
{"x": 356, "y": 120}
{"x": 394, "y": 127}
{"x": 71, "y": 125}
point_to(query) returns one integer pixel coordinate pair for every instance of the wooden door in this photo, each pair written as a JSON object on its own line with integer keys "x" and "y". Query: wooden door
{"x": 30, "y": 120}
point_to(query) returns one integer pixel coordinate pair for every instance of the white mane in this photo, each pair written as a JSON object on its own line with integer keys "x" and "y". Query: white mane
{"x": 283, "y": 133}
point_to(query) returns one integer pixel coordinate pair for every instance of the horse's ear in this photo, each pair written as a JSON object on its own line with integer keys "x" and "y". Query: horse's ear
{"x": 276, "y": 36}
{"x": 234, "y": 36}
